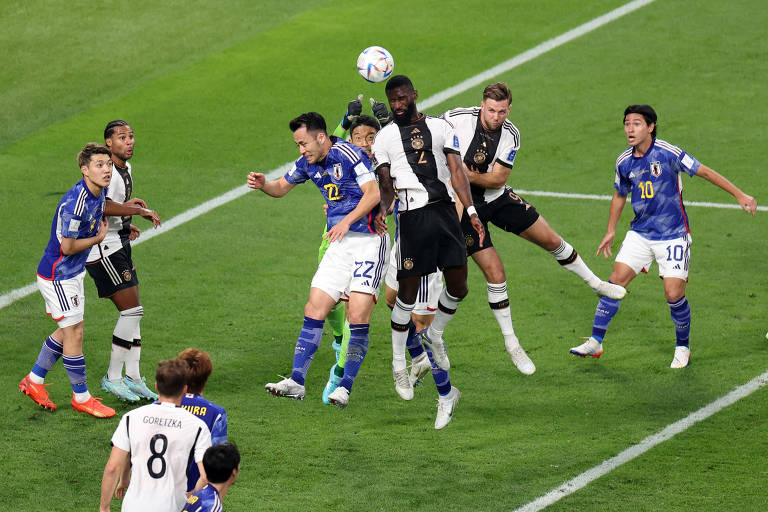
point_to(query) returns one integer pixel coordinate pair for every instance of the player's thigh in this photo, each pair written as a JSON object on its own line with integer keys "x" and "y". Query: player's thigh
{"x": 635, "y": 252}
{"x": 674, "y": 288}
{"x": 542, "y": 234}
{"x": 490, "y": 263}
{"x": 64, "y": 299}
{"x": 511, "y": 213}
{"x": 114, "y": 273}
{"x": 673, "y": 257}
{"x": 471, "y": 237}
{"x": 430, "y": 288}
{"x": 371, "y": 256}
{"x": 391, "y": 277}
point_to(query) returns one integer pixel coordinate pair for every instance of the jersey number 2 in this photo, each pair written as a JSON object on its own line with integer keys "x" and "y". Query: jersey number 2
{"x": 157, "y": 454}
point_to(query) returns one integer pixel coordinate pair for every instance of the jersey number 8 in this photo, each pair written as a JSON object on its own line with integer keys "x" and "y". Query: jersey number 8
{"x": 157, "y": 454}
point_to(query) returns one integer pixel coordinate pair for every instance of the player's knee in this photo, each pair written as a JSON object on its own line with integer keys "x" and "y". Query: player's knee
{"x": 459, "y": 290}
{"x": 134, "y": 312}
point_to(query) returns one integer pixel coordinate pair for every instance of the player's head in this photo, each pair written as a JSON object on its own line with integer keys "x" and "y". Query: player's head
{"x": 200, "y": 368}
{"x": 118, "y": 136}
{"x": 402, "y": 99}
{"x": 495, "y": 107}
{"x": 171, "y": 378}
{"x": 311, "y": 136}
{"x": 221, "y": 462}
{"x": 639, "y": 124}
{"x": 95, "y": 164}
{"x": 362, "y": 132}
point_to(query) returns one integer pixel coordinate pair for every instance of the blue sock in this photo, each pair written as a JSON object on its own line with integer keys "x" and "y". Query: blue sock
{"x": 358, "y": 347}
{"x": 442, "y": 378}
{"x": 681, "y": 316}
{"x": 49, "y": 354}
{"x": 75, "y": 366}
{"x": 604, "y": 312}
{"x": 306, "y": 346}
{"x": 414, "y": 346}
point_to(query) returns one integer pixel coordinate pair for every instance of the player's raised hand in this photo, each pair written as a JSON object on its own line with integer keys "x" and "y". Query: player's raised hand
{"x": 749, "y": 204}
{"x": 475, "y": 220}
{"x": 354, "y": 109}
{"x": 380, "y": 112}
{"x": 605, "y": 245}
{"x": 134, "y": 234}
{"x": 256, "y": 180}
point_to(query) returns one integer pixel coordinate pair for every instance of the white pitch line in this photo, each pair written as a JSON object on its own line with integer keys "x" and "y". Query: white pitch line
{"x": 595, "y": 197}
{"x": 10, "y": 297}
{"x": 643, "y": 446}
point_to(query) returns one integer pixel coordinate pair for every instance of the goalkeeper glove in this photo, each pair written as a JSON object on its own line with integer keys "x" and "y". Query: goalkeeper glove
{"x": 354, "y": 109}
{"x": 380, "y": 112}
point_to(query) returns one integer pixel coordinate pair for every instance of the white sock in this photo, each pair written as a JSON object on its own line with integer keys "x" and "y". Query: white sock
{"x": 498, "y": 300}
{"x": 117, "y": 358}
{"x": 82, "y": 397}
{"x": 567, "y": 256}
{"x": 36, "y": 378}
{"x": 401, "y": 316}
{"x": 446, "y": 308}
{"x": 132, "y": 361}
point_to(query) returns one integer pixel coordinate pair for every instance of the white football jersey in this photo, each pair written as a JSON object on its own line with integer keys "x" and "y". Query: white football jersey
{"x": 119, "y": 190}
{"x": 415, "y": 155}
{"x": 161, "y": 439}
{"x": 482, "y": 149}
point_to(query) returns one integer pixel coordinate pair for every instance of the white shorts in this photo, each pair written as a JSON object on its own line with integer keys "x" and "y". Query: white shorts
{"x": 672, "y": 256}
{"x": 64, "y": 300}
{"x": 355, "y": 264}
{"x": 430, "y": 287}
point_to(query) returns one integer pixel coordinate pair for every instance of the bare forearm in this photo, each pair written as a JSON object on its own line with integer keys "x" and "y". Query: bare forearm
{"x": 614, "y": 212}
{"x": 75, "y": 245}
{"x": 113, "y": 208}
{"x": 719, "y": 180}
{"x": 108, "y": 484}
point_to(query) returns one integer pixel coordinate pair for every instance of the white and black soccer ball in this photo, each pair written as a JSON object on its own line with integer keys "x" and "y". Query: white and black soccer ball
{"x": 375, "y": 64}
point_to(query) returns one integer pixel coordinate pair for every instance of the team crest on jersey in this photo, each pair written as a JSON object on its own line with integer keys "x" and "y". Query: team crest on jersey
{"x": 417, "y": 142}
{"x": 127, "y": 275}
{"x": 655, "y": 169}
{"x": 480, "y": 156}
{"x": 469, "y": 240}
{"x": 337, "y": 172}
{"x": 407, "y": 263}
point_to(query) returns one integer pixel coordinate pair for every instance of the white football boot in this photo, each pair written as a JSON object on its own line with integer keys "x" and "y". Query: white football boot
{"x": 288, "y": 388}
{"x": 682, "y": 356}
{"x": 437, "y": 347}
{"x": 520, "y": 358}
{"x": 420, "y": 366}
{"x": 339, "y": 397}
{"x": 403, "y": 384}
{"x": 445, "y": 407}
{"x": 591, "y": 347}
{"x": 610, "y": 290}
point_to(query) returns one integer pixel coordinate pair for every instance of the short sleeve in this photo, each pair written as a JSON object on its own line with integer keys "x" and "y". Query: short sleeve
{"x": 379, "y": 151}
{"x": 688, "y": 164}
{"x": 203, "y": 443}
{"x": 120, "y": 438}
{"x": 70, "y": 223}
{"x": 298, "y": 172}
{"x": 451, "y": 139}
{"x": 219, "y": 429}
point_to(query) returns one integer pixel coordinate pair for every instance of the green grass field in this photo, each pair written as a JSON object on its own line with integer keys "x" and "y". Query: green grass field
{"x": 209, "y": 90}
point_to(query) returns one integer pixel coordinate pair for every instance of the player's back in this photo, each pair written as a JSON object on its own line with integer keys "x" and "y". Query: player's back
{"x": 215, "y": 418}
{"x": 205, "y": 500}
{"x": 162, "y": 438}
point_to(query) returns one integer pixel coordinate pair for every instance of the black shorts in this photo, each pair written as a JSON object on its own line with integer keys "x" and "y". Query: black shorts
{"x": 429, "y": 239}
{"x": 114, "y": 272}
{"x": 509, "y": 212}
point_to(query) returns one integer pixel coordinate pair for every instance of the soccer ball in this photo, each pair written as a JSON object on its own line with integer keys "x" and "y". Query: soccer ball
{"x": 375, "y": 64}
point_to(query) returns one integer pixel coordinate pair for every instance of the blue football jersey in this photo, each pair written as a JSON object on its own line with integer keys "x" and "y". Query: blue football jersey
{"x": 205, "y": 500}
{"x": 656, "y": 185}
{"x": 339, "y": 176}
{"x": 215, "y": 417}
{"x": 77, "y": 216}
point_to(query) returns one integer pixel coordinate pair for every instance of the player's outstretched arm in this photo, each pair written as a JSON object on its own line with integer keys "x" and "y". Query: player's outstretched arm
{"x": 460, "y": 184}
{"x": 134, "y": 206}
{"x": 274, "y": 188}
{"x": 747, "y": 202}
{"x": 118, "y": 461}
{"x": 614, "y": 214}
